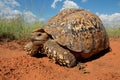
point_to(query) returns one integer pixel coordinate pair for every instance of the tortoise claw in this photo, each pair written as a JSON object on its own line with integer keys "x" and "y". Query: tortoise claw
{"x": 31, "y": 49}
{"x": 82, "y": 67}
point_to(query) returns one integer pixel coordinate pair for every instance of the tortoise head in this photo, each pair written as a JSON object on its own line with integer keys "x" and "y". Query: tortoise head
{"x": 39, "y": 37}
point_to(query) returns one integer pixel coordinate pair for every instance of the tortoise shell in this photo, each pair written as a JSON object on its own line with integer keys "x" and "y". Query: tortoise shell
{"x": 78, "y": 30}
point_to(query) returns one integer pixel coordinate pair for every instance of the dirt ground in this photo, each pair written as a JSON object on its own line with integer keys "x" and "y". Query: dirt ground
{"x": 16, "y": 65}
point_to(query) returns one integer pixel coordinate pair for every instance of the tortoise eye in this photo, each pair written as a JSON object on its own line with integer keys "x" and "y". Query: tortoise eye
{"x": 39, "y": 34}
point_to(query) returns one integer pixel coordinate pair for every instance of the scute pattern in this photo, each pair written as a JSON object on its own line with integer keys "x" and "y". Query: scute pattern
{"x": 71, "y": 35}
{"x": 79, "y": 30}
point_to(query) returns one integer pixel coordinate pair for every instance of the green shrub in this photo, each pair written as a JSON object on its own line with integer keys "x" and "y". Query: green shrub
{"x": 16, "y": 28}
{"x": 113, "y": 32}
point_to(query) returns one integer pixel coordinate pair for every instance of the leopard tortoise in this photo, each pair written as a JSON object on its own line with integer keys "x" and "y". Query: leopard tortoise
{"x": 70, "y": 35}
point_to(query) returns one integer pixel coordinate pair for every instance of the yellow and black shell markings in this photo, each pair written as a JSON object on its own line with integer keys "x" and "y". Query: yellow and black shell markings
{"x": 70, "y": 35}
{"x": 79, "y": 30}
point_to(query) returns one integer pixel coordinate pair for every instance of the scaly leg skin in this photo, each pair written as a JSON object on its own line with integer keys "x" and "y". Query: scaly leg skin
{"x": 31, "y": 49}
{"x": 82, "y": 67}
{"x": 59, "y": 54}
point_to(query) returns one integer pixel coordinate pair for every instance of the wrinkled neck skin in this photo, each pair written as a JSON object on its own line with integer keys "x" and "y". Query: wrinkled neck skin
{"x": 42, "y": 47}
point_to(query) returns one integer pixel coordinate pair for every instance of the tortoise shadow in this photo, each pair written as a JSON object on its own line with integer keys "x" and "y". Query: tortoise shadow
{"x": 39, "y": 55}
{"x": 96, "y": 56}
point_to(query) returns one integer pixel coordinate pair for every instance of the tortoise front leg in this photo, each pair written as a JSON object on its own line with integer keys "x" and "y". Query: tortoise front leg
{"x": 61, "y": 55}
{"x": 31, "y": 49}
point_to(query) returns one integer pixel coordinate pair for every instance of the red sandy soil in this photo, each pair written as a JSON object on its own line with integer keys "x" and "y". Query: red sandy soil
{"x": 16, "y": 65}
